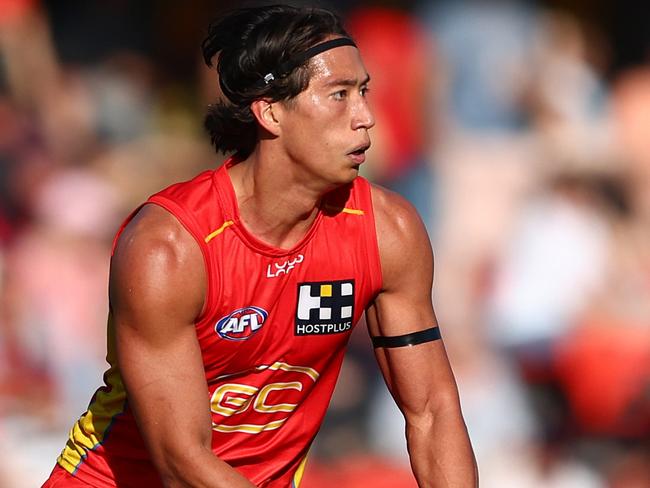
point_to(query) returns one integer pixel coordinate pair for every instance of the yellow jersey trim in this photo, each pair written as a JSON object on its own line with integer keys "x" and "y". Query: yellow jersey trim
{"x": 351, "y": 211}
{"x": 297, "y": 477}
{"x": 214, "y": 234}
{"x": 89, "y": 432}
{"x": 249, "y": 428}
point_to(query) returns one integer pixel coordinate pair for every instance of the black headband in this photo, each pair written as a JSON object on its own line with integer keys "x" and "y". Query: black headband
{"x": 287, "y": 67}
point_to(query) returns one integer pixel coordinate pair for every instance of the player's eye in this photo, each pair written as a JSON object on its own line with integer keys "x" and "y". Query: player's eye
{"x": 340, "y": 95}
{"x": 364, "y": 91}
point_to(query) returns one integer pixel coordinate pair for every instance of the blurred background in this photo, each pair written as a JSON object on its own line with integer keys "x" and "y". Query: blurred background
{"x": 519, "y": 129}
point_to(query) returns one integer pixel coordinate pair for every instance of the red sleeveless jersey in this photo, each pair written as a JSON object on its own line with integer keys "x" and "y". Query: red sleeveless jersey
{"x": 272, "y": 335}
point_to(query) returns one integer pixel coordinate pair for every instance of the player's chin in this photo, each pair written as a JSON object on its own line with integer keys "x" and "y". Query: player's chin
{"x": 344, "y": 174}
{"x": 349, "y": 174}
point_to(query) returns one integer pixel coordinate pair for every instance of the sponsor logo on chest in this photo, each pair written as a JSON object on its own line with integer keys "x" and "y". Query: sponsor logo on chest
{"x": 241, "y": 324}
{"x": 325, "y": 307}
{"x": 283, "y": 267}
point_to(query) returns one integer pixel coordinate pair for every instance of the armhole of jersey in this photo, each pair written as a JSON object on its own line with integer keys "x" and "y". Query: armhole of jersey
{"x": 190, "y": 224}
{"x": 122, "y": 227}
{"x": 371, "y": 239}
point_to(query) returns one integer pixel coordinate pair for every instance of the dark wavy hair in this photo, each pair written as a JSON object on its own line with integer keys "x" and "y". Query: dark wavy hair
{"x": 251, "y": 42}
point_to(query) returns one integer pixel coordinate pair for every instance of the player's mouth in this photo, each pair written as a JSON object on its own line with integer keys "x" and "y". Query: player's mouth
{"x": 358, "y": 154}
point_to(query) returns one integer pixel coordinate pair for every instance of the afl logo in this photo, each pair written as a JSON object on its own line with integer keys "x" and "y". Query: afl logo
{"x": 241, "y": 324}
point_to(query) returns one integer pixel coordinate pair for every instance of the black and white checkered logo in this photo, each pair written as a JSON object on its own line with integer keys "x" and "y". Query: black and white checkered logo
{"x": 325, "y": 307}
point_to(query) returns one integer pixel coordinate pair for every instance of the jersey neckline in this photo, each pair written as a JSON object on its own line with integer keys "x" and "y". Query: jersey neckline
{"x": 230, "y": 207}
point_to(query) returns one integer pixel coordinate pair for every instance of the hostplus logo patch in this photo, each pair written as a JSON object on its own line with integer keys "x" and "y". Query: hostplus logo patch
{"x": 325, "y": 307}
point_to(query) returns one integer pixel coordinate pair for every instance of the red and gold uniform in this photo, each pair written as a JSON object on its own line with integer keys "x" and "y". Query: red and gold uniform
{"x": 272, "y": 335}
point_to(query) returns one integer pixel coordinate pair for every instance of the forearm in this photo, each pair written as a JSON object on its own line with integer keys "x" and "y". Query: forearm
{"x": 198, "y": 468}
{"x": 440, "y": 451}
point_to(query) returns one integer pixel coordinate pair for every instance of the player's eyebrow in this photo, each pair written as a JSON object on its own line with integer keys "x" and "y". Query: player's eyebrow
{"x": 347, "y": 82}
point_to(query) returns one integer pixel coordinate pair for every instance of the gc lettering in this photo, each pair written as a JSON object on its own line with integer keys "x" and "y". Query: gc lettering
{"x": 232, "y": 399}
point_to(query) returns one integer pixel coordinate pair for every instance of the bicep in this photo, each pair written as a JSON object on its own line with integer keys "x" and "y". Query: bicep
{"x": 416, "y": 375}
{"x": 156, "y": 290}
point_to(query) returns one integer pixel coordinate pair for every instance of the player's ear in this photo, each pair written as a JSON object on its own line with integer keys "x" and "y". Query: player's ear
{"x": 263, "y": 112}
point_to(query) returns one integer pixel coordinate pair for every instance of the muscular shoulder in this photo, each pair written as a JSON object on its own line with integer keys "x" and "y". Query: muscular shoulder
{"x": 401, "y": 237}
{"x": 156, "y": 235}
{"x": 155, "y": 257}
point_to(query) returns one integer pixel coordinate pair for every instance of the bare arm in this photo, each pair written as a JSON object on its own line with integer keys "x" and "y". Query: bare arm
{"x": 419, "y": 377}
{"x": 157, "y": 289}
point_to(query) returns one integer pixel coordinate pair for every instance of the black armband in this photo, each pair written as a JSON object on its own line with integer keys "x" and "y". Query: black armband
{"x": 412, "y": 339}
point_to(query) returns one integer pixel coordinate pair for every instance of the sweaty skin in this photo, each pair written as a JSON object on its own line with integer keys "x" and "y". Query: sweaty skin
{"x": 419, "y": 377}
{"x": 305, "y": 148}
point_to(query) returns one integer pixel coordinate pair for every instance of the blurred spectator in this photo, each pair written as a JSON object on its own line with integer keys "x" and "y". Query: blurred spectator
{"x": 485, "y": 47}
{"x": 551, "y": 268}
{"x": 566, "y": 95}
{"x": 604, "y": 368}
{"x": 359, "y": 470}
{"x": 58, "y": 274}
{"x": 399, "y": 58}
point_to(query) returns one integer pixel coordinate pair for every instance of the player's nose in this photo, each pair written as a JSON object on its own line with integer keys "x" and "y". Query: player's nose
{"x": 363, "y": 117}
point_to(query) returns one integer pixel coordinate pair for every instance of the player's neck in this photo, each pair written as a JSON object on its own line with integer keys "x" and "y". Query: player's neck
{"x": 275, "y": 204}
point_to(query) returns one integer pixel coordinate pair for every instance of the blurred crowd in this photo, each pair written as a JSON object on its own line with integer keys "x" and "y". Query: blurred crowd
{"x": 506, "y": 123}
